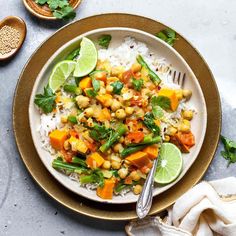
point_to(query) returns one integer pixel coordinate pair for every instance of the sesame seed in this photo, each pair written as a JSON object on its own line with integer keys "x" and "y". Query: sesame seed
{"x": 9, "y": 39}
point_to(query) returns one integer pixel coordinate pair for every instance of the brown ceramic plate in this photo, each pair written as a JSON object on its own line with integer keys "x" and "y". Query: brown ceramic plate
{"x": 24, "y": 139}
{"x": 44, "y": 12}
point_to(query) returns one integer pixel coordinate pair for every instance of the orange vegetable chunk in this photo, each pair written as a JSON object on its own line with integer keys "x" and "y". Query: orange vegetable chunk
{"x": 170, "y": 93}
{"x": 152, "y": 151}
{"x": 57, "y": 139}
{"x": 103, "y": 99}
{"x": 85, "y": 83}
{"x": 139, "y": 159}
{"x": 104, "y": 115}
{"x": 95, "y": 160}
{"x": 106, "y": 192}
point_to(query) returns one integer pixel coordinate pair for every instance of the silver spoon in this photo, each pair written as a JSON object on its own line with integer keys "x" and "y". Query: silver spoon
{"x": 144, "y": 202}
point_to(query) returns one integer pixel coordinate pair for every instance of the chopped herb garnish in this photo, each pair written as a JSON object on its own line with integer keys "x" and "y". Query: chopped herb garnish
{"x": 61, "y": 9}
{"x": 117, "y": 87}
{"x": 104, "y": 40}
{"x": 46, "y": 101}
{"x": 230, "y": 150}
{"x": 167, "y": 35}
{"x": 137, "y": 84}
{"x": 163, "y": 102}
{"x": 150, "y": 124}
{"x": 96, "y": 85}
{"x": 100, "y": 132}
{"x": 91, "y": 93}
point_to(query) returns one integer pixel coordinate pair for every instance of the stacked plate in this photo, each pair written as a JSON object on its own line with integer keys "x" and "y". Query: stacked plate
{"x": 184, "y": 58}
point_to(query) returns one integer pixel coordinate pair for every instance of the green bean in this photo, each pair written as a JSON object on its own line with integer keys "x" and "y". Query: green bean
{"x": 73, "y": 54}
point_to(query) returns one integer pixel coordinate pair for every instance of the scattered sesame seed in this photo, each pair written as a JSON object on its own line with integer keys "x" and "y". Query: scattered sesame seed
{"x": 9, "y": 39}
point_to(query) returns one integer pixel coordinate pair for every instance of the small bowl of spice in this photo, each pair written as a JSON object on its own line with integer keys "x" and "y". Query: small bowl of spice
{"x": 52, "y": 9}
{"x": 12, "y": 36}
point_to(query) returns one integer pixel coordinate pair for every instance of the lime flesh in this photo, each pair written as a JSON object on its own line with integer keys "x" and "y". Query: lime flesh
{"x": 170, "y": 164}
{"x": 88, "y": 58}
{"x": 60, "y": 74}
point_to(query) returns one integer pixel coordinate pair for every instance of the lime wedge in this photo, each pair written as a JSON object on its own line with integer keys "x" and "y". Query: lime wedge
{"x": 169, "y": 165}
{"x": 87, "y": 59}
{"x": 60, "y": 74}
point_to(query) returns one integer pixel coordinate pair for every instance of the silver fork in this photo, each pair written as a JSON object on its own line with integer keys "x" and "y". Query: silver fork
{"x": 144, "y": 202}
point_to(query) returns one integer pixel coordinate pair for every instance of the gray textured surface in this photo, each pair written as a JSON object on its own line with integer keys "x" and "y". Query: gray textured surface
{"x": 209, "y": 25}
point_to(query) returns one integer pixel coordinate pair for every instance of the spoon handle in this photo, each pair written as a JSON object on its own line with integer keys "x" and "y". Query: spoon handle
{"x": 144, "y": 202}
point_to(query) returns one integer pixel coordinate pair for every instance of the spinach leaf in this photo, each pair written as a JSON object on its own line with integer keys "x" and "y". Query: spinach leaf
{"x": 117, "y": 87}
{"x": 104, "y": 40}
{"x": 137, "y": 84}
{"x": 163, "y": 102}
{"x": 150, "y": 124}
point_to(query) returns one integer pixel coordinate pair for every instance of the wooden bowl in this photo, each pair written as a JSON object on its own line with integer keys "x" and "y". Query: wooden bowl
{"x": 44, "y": 12}
{"x": 18, "y": 24}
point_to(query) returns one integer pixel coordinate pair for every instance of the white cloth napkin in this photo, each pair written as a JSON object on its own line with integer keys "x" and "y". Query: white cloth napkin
{"x": 207, "y": 209}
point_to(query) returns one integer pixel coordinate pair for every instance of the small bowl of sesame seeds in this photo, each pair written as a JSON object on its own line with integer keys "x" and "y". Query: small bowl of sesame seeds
{"x": 12, "y": 36}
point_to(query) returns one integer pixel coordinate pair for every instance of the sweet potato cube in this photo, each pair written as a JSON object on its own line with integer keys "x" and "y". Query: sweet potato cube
{"x": 95, "y": 160}
{"x": 139, "y": 159}
{"x": 103, "y": 99}
{"x": 57, "y": 139}
{"x": 85, "y": 83}
{"x": 152, "y": 151}
{"x": 106, "y": 192}
{"x": 170, "y": 93}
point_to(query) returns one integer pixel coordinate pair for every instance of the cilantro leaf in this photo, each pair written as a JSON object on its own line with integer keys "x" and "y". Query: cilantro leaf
{"x": 163, "y": 102}
{"x": 46, "y": 101}
{"x": 66, "y": 13}
{"x": 96, "y": 85}
{"x": 167, "y": 35}
{"x": 100, "y": 132}
{"x": 54, "y": 4}
{"x": 91, "y": 93}
{"x": 157, "y": 112}
{"x": 230, "y": 150}
{"x": 150, "y": 124}
{"x": 117, "y": 87}
{"x": 137, "y": 84}
{"x": 41, "y": 2}
{"x": 104, "y": 40}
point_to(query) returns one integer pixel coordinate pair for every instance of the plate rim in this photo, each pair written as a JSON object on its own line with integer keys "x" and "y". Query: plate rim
{"x": 214, "y": 147}
{"x": 39, "y": 78}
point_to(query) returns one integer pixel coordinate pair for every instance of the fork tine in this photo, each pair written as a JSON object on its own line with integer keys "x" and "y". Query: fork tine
{"x": 183, "y": 80}
{"x": 174, "y": 77}
{"x": 179, "y": 79}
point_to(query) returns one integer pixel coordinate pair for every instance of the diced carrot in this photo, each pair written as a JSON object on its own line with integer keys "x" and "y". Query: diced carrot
{"x": 152, "y": 151}
{"x": 73, "y": 133}
{"x": 95, "y": 160}
{"x": 67, "y": 155}
{"x": 57, "y": 139}
{"x": 91, "y": 146}
{"x": 85, "y": 83}
{"x": 126, "y": 76}
{"x": 106, "y": 192}
{"x": 139, "y": 159}
{"x": 145, "y": 169}
{"x": 135, "y": 137}
{"x": 170, "y": 93}
{"x": 103, "y": 99}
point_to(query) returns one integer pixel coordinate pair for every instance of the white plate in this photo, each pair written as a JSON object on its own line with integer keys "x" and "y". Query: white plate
{"x": 162, "y": 50}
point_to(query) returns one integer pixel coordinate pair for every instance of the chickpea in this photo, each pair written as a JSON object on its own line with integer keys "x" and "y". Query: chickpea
{"x": 115, "y": 158}
{"x": 116, "y": 70}
{"x": 66, "y": 145}
{"x": 121, "y": 140}
{"x": 64, "y": 119}
{"x": 187, "y": 94}
{"x": 115, "y": 105}
{"x": 108, "y": 103}
{"x": 135, "y": 176}
{"x": 115, "y": 165}
{"x": 137, "y": 189}
{"x": 136, "y": 67}
{"x": 129, "y": 110}
{"x": 179, "y": 94}
{"x": 167, "y": 138}
{"x": 118, "y": 147}
{"x": 106, "y": 165}
{"x": 102, "y": 91}
{"x": 109, "y": 88}
{"x": 123, "y": 172}
{"x": 188, "y": 115}
{"x": 184, "y": 126}
{"x": 88, "y": 112}
{"x": 120, "y": 114}
{"x": 82, "y": 101}
{"x": 171, "y": 130}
